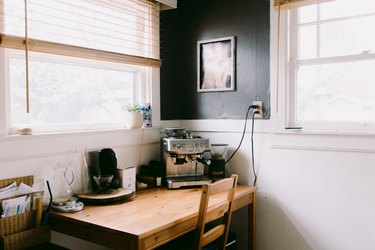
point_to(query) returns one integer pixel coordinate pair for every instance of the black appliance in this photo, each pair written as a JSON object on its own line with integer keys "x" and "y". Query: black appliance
{"x": 104, "y": 163}
{"x": 216, "y": 170}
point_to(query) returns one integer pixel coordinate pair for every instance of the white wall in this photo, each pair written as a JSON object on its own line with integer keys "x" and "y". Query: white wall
{"x": 314, "y": 191}
{"x": 38, "y": 155}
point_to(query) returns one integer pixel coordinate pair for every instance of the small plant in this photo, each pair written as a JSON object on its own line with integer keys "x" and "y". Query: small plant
{"x": 133, "y": 107}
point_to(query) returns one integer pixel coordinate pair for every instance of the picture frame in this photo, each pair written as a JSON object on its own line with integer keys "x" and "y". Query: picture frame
{"x": 216, "y": 64}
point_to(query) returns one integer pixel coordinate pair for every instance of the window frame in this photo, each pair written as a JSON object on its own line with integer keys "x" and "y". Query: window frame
{"x": 290, "y": 20}
{"x": 151, "y": 83}
{"x": 4, "y": 94}
{"x": 151, "y": 91}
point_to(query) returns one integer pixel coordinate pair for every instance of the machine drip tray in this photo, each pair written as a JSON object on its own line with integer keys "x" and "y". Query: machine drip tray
{"x": 186, "y": 181}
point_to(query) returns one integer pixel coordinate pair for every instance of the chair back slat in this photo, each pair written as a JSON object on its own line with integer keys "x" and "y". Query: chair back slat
{"x": 213, "y": 234}
{"x": 221, "y": 186}
{"x": 217, "y": 211}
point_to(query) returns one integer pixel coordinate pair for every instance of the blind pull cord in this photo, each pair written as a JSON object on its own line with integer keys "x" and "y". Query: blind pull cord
{"x": 27, "y": 61}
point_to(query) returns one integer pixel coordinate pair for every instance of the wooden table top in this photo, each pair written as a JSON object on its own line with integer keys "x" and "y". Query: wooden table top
{"x": 151, "y": 211}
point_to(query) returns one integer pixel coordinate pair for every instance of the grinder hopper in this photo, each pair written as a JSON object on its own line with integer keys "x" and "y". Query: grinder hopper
{"x": 217, "y": 167}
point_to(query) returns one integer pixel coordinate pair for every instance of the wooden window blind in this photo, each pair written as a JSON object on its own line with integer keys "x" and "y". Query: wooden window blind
{"x": 125, "y": 31}
{"x": 120, "y": 31}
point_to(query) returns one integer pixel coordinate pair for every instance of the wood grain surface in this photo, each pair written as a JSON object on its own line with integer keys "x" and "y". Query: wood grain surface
{"x": 152, "y": 218}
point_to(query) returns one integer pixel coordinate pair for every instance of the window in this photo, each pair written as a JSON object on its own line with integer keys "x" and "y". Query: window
{"x": 332, "y": 63}
{"x": 66, "y": 93}
{"x": 86, "y": 60}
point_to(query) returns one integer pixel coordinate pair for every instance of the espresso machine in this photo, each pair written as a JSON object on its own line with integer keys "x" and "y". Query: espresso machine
{"x": 182, "y": 157}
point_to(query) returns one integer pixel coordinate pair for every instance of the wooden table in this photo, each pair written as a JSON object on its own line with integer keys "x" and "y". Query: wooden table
{"x": 152, "y": 218}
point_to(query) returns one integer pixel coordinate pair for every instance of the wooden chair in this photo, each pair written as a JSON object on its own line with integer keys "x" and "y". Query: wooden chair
{"x": 208, "y": 213}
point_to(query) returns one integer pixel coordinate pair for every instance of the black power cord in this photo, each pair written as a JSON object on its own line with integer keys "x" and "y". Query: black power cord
{"x": 252, "y": 140}
{"x": 252, "y": 149}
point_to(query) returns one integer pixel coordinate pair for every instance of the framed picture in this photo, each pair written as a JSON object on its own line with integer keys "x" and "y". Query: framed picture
{"x": 216, "y": 65}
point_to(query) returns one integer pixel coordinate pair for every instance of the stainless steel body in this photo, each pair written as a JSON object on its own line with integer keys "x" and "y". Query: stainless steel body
{"x": 177, "y": 182}
{"x": 180, "y": 146}
{"x": 175, "y": 167}
{"x": 183, "y": 161}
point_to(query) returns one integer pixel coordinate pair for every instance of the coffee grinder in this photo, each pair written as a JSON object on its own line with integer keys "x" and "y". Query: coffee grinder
{"x": 217, "y": 167}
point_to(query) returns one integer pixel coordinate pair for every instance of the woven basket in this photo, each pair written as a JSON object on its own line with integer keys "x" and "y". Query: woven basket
{"x": 26, "y": 238}
{"x": 17, "y": 223}
{"x": 28, "y": 180}
{"x": 18, "y": 231}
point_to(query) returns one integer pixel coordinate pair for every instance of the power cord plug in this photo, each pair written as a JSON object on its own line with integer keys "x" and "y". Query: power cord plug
{"x": 254, "y": 106}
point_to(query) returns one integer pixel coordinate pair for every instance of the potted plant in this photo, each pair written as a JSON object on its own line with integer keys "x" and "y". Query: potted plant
{"x": 133, "y": 115}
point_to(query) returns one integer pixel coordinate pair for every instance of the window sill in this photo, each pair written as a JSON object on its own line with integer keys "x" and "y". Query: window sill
{"x": 16, "y": 137}
{"x": 342, "y": 141}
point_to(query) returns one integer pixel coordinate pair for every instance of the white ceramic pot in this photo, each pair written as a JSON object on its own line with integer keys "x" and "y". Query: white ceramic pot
{"x": 133, "y": 119}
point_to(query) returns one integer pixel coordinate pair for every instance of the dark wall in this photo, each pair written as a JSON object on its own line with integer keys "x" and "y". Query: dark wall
{"x": 196, "y": 20}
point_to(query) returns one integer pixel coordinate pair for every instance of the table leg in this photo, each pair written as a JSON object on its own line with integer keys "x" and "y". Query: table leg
{"x": 252, "y": 223}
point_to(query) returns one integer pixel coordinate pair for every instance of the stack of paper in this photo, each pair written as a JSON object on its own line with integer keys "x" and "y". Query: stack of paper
{"x": 15, "y": 199}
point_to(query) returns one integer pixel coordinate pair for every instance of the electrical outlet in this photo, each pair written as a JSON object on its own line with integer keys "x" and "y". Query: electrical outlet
{"x": 260, "y": 109}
